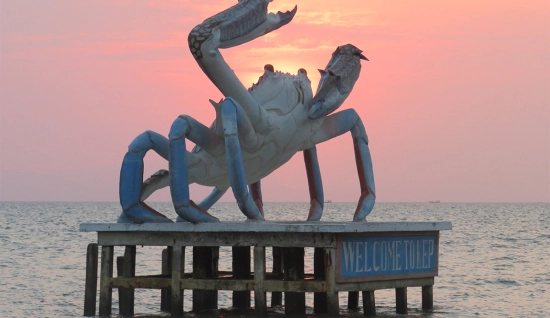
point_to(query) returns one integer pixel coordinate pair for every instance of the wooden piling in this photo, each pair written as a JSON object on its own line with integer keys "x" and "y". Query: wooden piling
{"x": 178, "y": 270}
{"x": 319, "y": 298}
{"x": 165, "y": 293}
{"x": 126, "y": 267}
{"x": 353, "y": 300}
{"x": 293, "y": 263}
{"x": 90, "y": 292}
{"x": 205, "y": 265}
{"x": 333, "y": 305}
{"x": 401, "y": 300}
{"x": 122, "y": 300}
{"x": 105, "y": 291}
{"x": 260, "y": 301}
{"x": 369, "y": 304}
{"x": 427, "y": 297}
{"x": 241, "y": 270}
{"x": 277, "y": 253}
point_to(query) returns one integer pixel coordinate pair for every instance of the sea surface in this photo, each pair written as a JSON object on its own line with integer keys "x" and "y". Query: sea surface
{"x": 494, "y": 263}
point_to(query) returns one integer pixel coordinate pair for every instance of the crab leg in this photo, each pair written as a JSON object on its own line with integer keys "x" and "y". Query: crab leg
{"x": 182, "y": 128}
{"x": 211, "y": 199}
{"x": 235, "y": 167}
{"x": 338, "y": 124}
{"x": 241, "y": 23}
{"x": 131, "y": 176}
{"x": 315, "y": 184}
{"x": 256, "y": 191}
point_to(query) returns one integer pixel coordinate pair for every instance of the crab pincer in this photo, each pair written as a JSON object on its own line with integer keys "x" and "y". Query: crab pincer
{"x": 239, "y": 24}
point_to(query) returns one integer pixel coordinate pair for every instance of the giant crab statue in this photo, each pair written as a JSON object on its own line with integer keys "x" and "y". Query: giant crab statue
{"x": 256, "y": 130}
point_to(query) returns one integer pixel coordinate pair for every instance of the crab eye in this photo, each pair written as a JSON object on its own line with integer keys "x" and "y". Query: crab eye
{"x": 303, "y": 71}
{"x": 269, "y": 67}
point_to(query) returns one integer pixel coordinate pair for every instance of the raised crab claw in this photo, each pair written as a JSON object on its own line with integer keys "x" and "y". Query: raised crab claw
{"x": 256, "y": 130}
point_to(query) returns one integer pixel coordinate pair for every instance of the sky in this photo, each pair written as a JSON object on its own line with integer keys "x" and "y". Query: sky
{"x": 455, "y": 98}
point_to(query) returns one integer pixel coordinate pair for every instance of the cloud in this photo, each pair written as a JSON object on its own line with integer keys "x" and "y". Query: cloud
{"x": 337, "y": 19}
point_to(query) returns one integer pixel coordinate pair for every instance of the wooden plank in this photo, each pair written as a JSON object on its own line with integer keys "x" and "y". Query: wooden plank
{"x": 333, "y": 305}
{"x": 369, "y": 303}
{"x": 319, "y": 298}
{"x": 277, "y": 297}
{"x": 156, "y": 282}
{"x": 269, "y": 227}
{"x": 205, "y": 265}
{"x": 106, "y": 292}
{"x": 260, "y": 302}
{"x": 220, "y": 239}
{"x": 178, "y": 267}
{"x": 293, "y": 263}
{"x": 427, "y": 297}
{"x": 401, "y": 300}
{"x": 241, "y": 270}
{"x": 226, "y": 284}
{"x": 90, "y": 292}
{"x": 385, "y": 284}
{"x": 165, "y": 294}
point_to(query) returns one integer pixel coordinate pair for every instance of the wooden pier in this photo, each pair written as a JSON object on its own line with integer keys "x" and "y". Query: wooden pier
{"x": 348, "y": 257}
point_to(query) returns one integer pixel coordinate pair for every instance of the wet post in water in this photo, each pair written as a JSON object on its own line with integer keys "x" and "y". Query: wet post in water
{"x": 260, "y": 302}
{"x": 293, "y": 262}
{"x": 166, "y": 293}
{"x": 319, "y": 299}
{"x": 427, "y": 297}
{"x": 105, "y": 291}
{"x": 353, "y": 300}
{"x": 401, "y": 300}
{"x": 178, "y": 270}
{"x": 277, "y": 297}
{"x": 205, "y": 265}
{"x": 90, "y": 292}
{"x": 369, "y": 305}
{"x": 126, "y": 267}
{"x": 241, "y": 270}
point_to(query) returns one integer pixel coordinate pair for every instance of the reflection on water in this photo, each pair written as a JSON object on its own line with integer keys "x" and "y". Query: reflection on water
{"x": 493, "y": 263}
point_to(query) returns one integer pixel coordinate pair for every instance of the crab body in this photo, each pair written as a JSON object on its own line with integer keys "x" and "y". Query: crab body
{"x": 256, "y": 130}
{"x": 284, "y": 97}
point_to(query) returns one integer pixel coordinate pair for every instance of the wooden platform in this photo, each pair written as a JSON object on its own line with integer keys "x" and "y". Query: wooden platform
{"x": 349, "y": 257}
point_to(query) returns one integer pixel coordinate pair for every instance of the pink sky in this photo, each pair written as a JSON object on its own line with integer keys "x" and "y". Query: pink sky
{"x": 455, "y": 97}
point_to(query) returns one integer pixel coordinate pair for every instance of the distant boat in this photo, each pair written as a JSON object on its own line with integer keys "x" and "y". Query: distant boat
{"x": 436, "y": 201}
{"x": 328, "y": 201}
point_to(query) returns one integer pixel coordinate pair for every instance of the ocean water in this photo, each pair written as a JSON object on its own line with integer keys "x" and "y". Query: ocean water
{"x": 494, "y": 263}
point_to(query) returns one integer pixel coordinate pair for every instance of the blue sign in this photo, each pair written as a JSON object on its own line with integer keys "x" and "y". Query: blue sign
{"x": 367, "y": 258}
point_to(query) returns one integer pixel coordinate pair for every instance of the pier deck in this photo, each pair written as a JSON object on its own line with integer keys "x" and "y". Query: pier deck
{"x": 349, "y": 257}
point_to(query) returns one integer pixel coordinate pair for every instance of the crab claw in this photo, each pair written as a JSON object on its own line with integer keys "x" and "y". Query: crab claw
{"x": 337, "y": 80}
{"x": 239, "y": 24}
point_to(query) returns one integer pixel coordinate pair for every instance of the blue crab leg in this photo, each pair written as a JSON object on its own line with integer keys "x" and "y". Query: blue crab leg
{"x": 338, "y": 124}
{"x": 211, "y": 199}
{"x": 235, "y": 167}
{"x": 182, "y": 128}
{"x": 241, "y": 23}
{"x": 315, "y": 184}
{"x": 131, "y": 177}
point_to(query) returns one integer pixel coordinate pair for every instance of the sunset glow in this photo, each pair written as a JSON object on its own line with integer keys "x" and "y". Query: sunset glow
{"x": 455, "y": 96}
